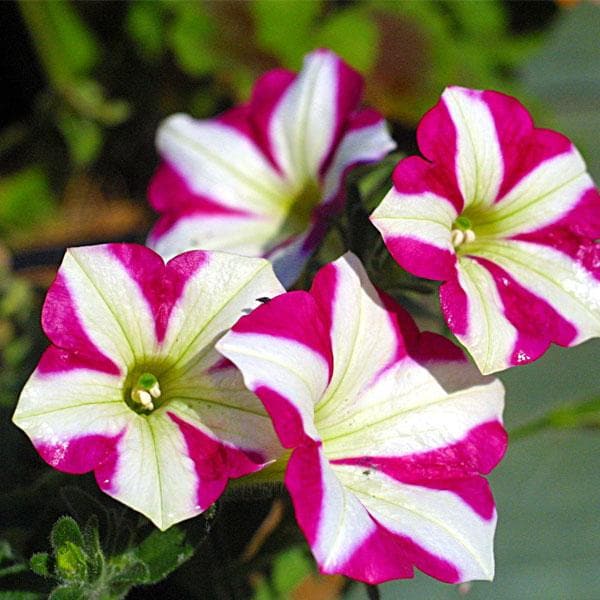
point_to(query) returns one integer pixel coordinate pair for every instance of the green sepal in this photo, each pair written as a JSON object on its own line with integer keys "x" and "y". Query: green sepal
{"x": 65, "y": 530}
{"x": 71, "y": 563}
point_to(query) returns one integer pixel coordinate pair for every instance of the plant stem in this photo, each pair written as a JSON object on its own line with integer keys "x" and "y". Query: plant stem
{"x": 372, "y": 591}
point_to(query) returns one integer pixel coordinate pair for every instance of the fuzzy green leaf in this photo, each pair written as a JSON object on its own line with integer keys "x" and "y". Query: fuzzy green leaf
{"x": 40, "y": 564}
{"x": 65, "y": 530}
{"x": 163, "y": 552}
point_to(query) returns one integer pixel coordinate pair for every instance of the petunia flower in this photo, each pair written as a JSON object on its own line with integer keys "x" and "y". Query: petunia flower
{"x": 132, "y": 387}
{"x": 265, "y": 178}
{"x": 507, "y": 217}
{"x": 390, "y": 430}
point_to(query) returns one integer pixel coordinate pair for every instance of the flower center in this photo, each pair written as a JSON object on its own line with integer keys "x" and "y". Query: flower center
{"x": 142, "y": 392}
{"x": 301, "y": 207}
{"x": 462, "y": 231}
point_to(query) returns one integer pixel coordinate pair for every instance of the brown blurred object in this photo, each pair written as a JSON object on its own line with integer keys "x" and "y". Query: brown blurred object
{"x": 267, "y": 527}
{"x": 320, "y": 587}
{"x": 86, "y": 216}
{"x": 401, "y": 76}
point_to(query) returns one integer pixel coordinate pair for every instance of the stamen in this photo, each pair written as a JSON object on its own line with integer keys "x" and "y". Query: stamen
{"x": 458, "y": 237}
{"x": 146, "y": 389}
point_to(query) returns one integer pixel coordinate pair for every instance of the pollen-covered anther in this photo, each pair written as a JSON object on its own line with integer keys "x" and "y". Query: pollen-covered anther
{"x": 460, "y": 237}
{"x": 146, "y": 390}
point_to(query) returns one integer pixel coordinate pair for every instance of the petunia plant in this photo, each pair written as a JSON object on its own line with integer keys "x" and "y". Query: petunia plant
{"x": 132, "y": 387}
{"x": 178, "y": 367}
{"x": 390, "y": 430}
{"x": 507, "y": 217}
{"x": 264, "y": 179}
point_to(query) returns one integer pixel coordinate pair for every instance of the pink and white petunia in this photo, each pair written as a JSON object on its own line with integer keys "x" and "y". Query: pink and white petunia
{"x": 264, "y": 179}
{"x": 132, "y": 387}
{"x": 390, "y": 430}
{"x": 507, "y": 217}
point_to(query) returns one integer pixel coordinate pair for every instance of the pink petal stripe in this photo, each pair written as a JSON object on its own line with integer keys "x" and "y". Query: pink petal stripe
{"x": 215, "y": 462}
{"x": 422, "y": 259}
{"x": 266, "y": 96}
{"x": 455, "y": 306}
{"x": 455, "y": 468}
{"x": 432, "y": 347}
{"x": 323, "y": 290}
{"x": 523, "y": 147}
{"x": 61, "y": 324}
{"x": 382, "y": 556}
{"x": 575, "y": 234}
{"x": 238, "y": 118}
{"x": 403, "y": 325}
{"x": 385, "y": 555}
{"x": 169, "y": 192}
{"x": 415, "y": 176}
{"x": 425, "y": 561}
{"x": 349, "y": 88}
{"x": 378, "y": 559}
{"x": 160, "y": 284}
{"x": 436, "y": 137}
{"x": 293, "y": 316}
{"x": 287, "y": 420}
{"x": 536, "y": 321}
{"x": 303, "y": 479}
{"x": 364, "y": 117}
{"x": 82, "y": 454}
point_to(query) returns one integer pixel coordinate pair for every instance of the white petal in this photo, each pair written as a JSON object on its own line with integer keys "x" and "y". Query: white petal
{"x": 478, "y": 162}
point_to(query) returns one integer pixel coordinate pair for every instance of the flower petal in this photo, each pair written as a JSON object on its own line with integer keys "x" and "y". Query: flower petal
{"x": 406, "y": 411}
{"x": 307, "y": 121}
{"x": 283, "y": 351}
{"x": 541, "y": 197}
{"x": 416, "y": 227}
{"x": 460, "y": 134}
{"x": 363, "y": 337}
{"x": 58, "y": 408}
{"x": 366, "y": 139}
{"x": 215, "y": 296}
{"x": 445, "y": 538}
{"x": 220, "y": 163}
{"x": 248, "y": 235}
{"x": 472, "y": 307}
{"x": 120, "y": 330}
{"x": 569, "y": 289}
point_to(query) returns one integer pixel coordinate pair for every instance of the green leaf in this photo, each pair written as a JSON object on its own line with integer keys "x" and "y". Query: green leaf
{"x": 290, "y": 568}
{"x": 40, "y": 564}
{"x": 190, "y": 37}
{"x": 83, "y": 136}
{"x": 20, "y": 595}
{"x": 353, "y": 35}
{"x": 6, "y": 552}
{"x": 163, "y": 552}
{"x": 71, "y": 37}
{"x": 285, "y": 29}
{"x": 135, "y": 572}
{"x": 25, "y": 198}
{"x": 144, "y": 24}
{"x": 65, "y": 46}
